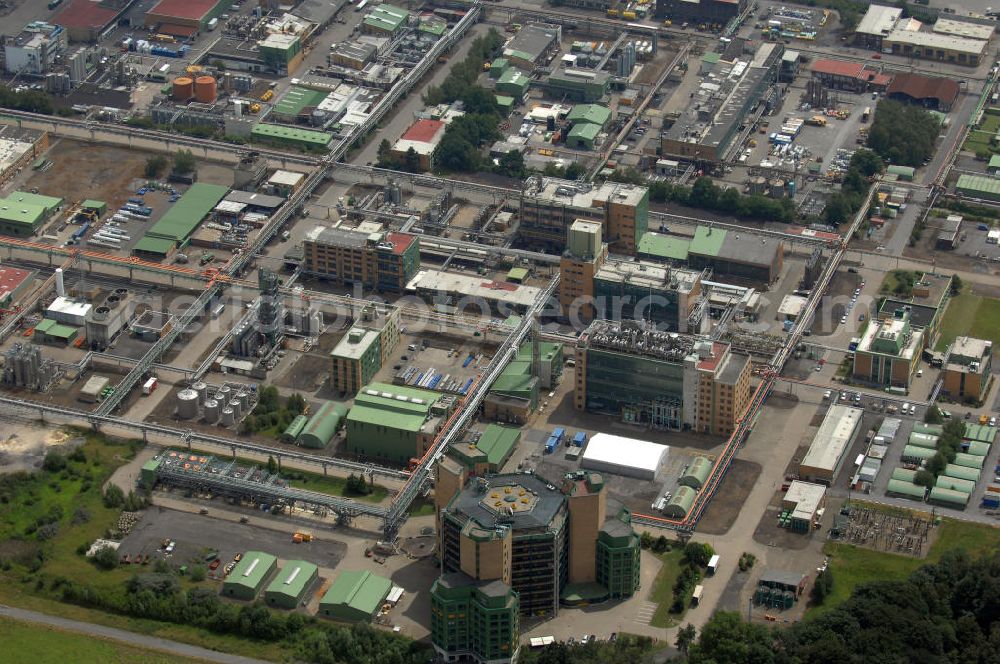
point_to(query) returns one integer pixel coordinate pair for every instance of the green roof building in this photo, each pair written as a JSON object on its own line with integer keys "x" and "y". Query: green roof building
{"x": 978, "y": 186}
{"x": 291, "y": 136}
{"x": 505, "y": 103}
{"x": 514, "y": 394}
{"x": 697, "y": 473}
{"x": 490, "y": 452}
{"x": 579, "y": 85}
{"x": 48, "y": 203}
{"x": 905, "y": 173}
{"x": 582, "y": 136}
{"x": 994, "y": 166}
{"x": 618, "y": 554}
{"x": 474, "y": 620}
{"x": 249, "y": 575}
{"x": 148, "y": 473}
{"x": 100, "y": 207}
{"x": 49, "y": 331}
{"x": 498, "y": 67}
{"x": 980, "y": 432}
{"x": 393, "y": 423}
{"x": 175, "y": 228}
{"x": 296, "y": 100}
{"x": 354, "y": 597}
{"x": 23, "y": 213}
{"x": 322, "y": 426}
{"x": 295, "y": 427}
{"x": 905, "y": 489}
{"x": 431, "y": 27}
{"x": 281, "y": 52}
{"x": 961, "y": 472}
{"x": 513, "y": 82}
{"x": 384, "y": 20}
{"x": 290, "y": 585}
{"x": 666, "y": 248}
{"x": 590, "y": 114}
{"x": 948, "y": 497}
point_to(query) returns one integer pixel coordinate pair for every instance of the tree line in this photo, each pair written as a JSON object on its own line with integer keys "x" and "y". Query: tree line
{"x": 841, "y": 206}
{"x": 903, "y": 134}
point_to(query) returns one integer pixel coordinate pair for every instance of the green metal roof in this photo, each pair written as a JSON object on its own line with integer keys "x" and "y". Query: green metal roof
{"x": 387, "y": 17}
{"x": 515, "y": 378}
{"x": 983, "y": 432}
{"x": 962, "y": 472}
{"x": 904, "y": 488}
{"x": 44, "y": 325}
{"x": 183, "y": 217}
{"x": 949, "y": 496}
{"x": 914, "y": 452}
{"x": 979, "y": 184}
{"x": 664, "y": 246}
{"x": 969, "y": 460}
{"x": 711, "y": 57}
{"x": 296, "y": 426}
{"x": 49, "y": 203}
{"x": 155, "y": 245}
{"x": 362, "y": 591}
{"x": 318, "y": 138}
{"x": 520, "y": 55}
{"x": 297, "y": 98}
{"x": 91, "y": 204}
{"x": 707, "y": 241}
{"x": 517, "y": 274}
{"x": 979, "y": 448}
{"x": 323, "y": 424}
{"x": 903, "y": 474}
{"x": 252, "y": 569}
{"x": 392, "y": 411}
{"x": 955, "y": 484}
{"x": 292, "y": 579}
{"x": 504, "y": 101}
{"x": 513, "y": 77}
{"x": 585, "y": 131}
{"x": 21, "y": 213}
{"x": 994, "y": 161}
{"x": 497, "y": 441}
{"x": 437, "y": 28}
{"x": 152, "y": 464}
{"x": 62, "y": 331}
{"x": 592, "y": 113}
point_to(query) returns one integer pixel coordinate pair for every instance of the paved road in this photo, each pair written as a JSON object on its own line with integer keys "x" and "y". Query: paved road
{"x": 129, "y": 638}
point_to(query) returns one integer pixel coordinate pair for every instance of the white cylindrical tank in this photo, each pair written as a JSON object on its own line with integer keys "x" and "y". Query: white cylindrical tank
{"x": 228, "y": 417}
{"x": 225, "y": 391}
{"x": 202, "y": 389}
{"x": 211, "y": 411}
{"x": 60, "y": 284}
{"x": 187, "y": 404}
{"x": 236, "y": 407}
{"x": 244, "y": 398}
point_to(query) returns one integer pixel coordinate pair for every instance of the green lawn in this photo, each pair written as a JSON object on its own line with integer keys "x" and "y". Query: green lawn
{"x": 852, "y": 565}
{"x": 663, "y": 589}
{"x": 422, "y": 507}
{"x": 979, "y": 138}
{"x": 898, "y": 279}
{"x": 333, "y": 485}
{"x": 970, "y": 315}
{"x": 28, "y": 643}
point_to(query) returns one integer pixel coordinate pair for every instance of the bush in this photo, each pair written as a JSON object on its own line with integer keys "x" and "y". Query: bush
{"x": 698, "y": 554}
{"x": 903, "y": 134}
{"x": 155, "y": 165}
{"x": 54, "y": 462}
{"x": 822, "y": 587}
{"x": 113, "y": 496}
{"x": 105, "y": 558}
{"x": 198, "y": 573}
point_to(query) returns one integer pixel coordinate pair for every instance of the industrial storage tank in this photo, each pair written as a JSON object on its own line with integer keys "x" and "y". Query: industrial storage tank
{"x": 758, "y": 185}
{"x": 228, "y": 417}
{"x": 224, "y": 393}
{"x": 187, "y": 404}
{"x": 183, "y": 88}
{"x": 211, "y": 410}
{"x": 244, "y": 398}
{"x": 202, "y": 389}
{"x": 205, "y": 89}
{"x": 776, "y": 188}
{"x": 236, "y": 407}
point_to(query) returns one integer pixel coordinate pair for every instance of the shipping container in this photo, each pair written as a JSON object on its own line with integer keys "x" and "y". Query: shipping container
{"x": 149, "y": 386}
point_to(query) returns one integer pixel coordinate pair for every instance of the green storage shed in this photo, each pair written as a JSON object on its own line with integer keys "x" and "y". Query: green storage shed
{"x": 681, "y": 503}
{"x": 955, "y": 484}
{"x": 981, "y": 432}
{"x": 978, "y": 448}
{"x": 932, "y": 429}
{"x": 923, "y": 440}
{"x": 582, "y": 136}
{"x": 249, "y": 575}
{"x": 290, "y": 585}
{"x": 355, "y": 597}
{"x": 292, "y": 431}
{"x": 322, "y": 426}
{"x": 905, "y": 489}
{"x": 949, "y": 497}
{"x": 969, "y": 460}
{"x": 914, "y": 454}
{"x": 962, "y": 472}
{"x": 697, "y": 473}
{"x": 903, "y": 474}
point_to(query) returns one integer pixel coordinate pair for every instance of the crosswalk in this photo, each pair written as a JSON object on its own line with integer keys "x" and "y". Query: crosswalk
{"x": 644, "y": 615}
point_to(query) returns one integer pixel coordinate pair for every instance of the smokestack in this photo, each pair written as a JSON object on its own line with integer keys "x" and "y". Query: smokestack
{"x": 60, "y": 285}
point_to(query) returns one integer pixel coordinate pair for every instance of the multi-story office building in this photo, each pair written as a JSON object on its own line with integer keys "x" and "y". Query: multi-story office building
{"x": 968, "y": 369}
{"x": 660, "y": 379}
{"x": 379, "y": 260}
{"x": 35, "y": 50}
{"x": 546, "y": 542}
{"x": 889, "y": 351}
{"x": 549, "y": 206}
{"x": 474, "y": 620}
{"x": 365, "y": 349}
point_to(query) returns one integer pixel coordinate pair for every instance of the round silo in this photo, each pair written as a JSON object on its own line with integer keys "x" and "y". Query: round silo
{"x": 236, "y": 407}
{"x": 776, "y": 188}
{"x": 244, "y": 398}
{"x": 183, "y": 88}
{"x": 225, "y": 393}
{"x": 758, "y": 185}
{"x": 202, "y": 389}
{"x": 187, "y": 404}
{"x": 205, "y": 89}
{"x": 211, "y": 411}
{"x": 228, "y": 417}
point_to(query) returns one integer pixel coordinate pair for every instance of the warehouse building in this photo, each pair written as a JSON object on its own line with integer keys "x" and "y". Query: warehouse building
{"x": 933, "y": 92}
{"x": 322, "y": 426}
{"x": 968, "y": 369}
{"x": 742, "y": 256}
{"x": 850, "y": 76}
{"x": 549, "y": 206}
{"x": 659, "y": 379}
{"x": 579, "y": 85}
{"x": 978, "y": 186}
{"x": 680, "y": 503}
{"x": 697, "y": 473}
{"x": 514, "y": 394}
{"x": 875, "y": 26}
{"x": 393, "y": 423}
{"x": 367, "y": 256}
{"x": 365, "y": 349}
{"x": 14, "y": 283}
{"x": 935, "y": 46}
{"x": 175, "y": 228}
{"x": 629, "y": 457}
{"x": 422, "y": 137}
{"x": 291, "y": 136}
{"x": 385, "y": 20}
{"x": 889, "y": 352}
{"x": 22, "y": 214}
{"x": 471, "y": 294}
{"x": 18, "y": 149}
{"x": 589, "y": 114}
{"x": 355, "y": 597}
{"x": 474, "y": 620}
{"x": 532, "y": 45}
{"x": 556, "y": 543}
{"x": 250, "y": 575}
{"x": 804, "y": 502}
{"x": 290, "y": 585}
{"x": 582, "y": 136}
{"x": 487, "y": 451}
{"x": 513, "y": 83}
{"x": 85, "y": 20}
{"x": 353, "y": 55}
{"x": 829, "y": 446}
{"x": 184, "y": 18}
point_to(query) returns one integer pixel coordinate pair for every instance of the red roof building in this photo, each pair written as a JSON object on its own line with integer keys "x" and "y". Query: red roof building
{"x": 852, "y": 76}
{"x": 13, "y": 283}
{"x": 84, "y": 20}
{"x": 400, "y": 242}
{"x": 187, "y": 13}
{"x": 928, "y": 91}
{"x": 423, "y": 131}
{"x": 422, "y": 137}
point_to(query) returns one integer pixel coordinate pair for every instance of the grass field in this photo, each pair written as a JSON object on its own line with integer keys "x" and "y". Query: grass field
{"x": 898, "y": 283}
{"x": 27, "y": 643}
{"x": 979, "y": 138}
{"x": 663, "y": 590}
{"x": 334, "y": 486}
{"x": 970, "y": 315}
{"x": 852, "y": 565}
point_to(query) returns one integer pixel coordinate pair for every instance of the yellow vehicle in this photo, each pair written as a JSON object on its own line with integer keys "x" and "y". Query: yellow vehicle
{"x": 546, "y": 152}
{"x": 817, "y": 121}
{"x": 668, "y": 23}
{"x": 613, "y": 13}
{"x": 629, "y": 15}
{"x": 486, "y": 66}
{"x": 267, "y": 95}
{"x": 983, "y": 419}
{"x": 255, "y": 107}
{"x": 753, "y": 142}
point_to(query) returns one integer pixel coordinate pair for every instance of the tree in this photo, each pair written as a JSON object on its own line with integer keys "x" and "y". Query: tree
{"x": 838, "y": 210}
{"x": 411, "y": 162}
{"x": 574, "y": 171}
{"x": 113, "y": 496}
{"x": 296, "y": 404}
{"x": 54, "y": 462}
{"x": 956, "y": 284}
{"x": 105, "y": 558}
{"x": 272, "y": 465}
{"x": 645, "y": 540}
{"x": 704, "y": 193}
{"x": 933, "y": 415}
{"x": 924, "y": 478}
{"x": 661, "y": 544}
{"x": 936, "y": 464}
{"x": 511, "y": 164}
{"x": 698, "y": 553}
{"x": 385, "y": 158}
{"x": 356, "y": 485}
{"x": 198, "y": 573}
{"x": 155, "y": 165}
{"x": 685, "y": 637}
{"x": 822, "y": 587}
{"x": 903, "y": 134}
{"x": 184, "y": 162}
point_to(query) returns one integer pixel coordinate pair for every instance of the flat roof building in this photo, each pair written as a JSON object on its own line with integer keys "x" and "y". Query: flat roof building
{"x": 630, "y": 457}
{"x": 293, "y": 136}
{"x": 852, "y": 76}
{"x": 365, "y": 349}
{"x": 529, "y": 47}
{"x": 291, "y": 583}
{"x": 935, "y": 46}
{"x": 393, "y": 423}
{"x": 829, "y": 446}
{"x": 487, "y": 453}
{"x": 462, "y": 292}
{"x": 478, "y": 620}
{"x": 926, "y": 304}
{"x": 354, "y": 597}
{"x": 250, "y": 575}
{"x": 967, "y": 369}
{"x": 876, "y": 25}
{"x": 422, "y": 137}
{"x": 174, "y": 229}
{"x": 184, "y": 18}
{"x": 958, "y": 27}
{"x": 14, "y": 283}
{"x": 384, "y": 261}
{"x": 889, "y": 352}
{"x": 385, "y": 20}
{"x": 804, "y": 502}
{"x": 580, "y": 85}
{"x": 744, "y": 255}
